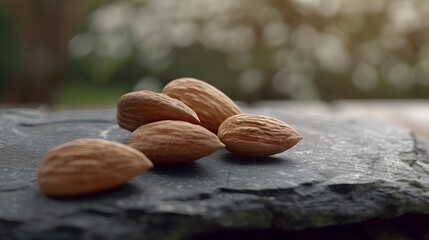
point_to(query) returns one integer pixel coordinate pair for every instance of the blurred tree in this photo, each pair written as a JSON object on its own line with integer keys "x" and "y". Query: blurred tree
{"x": 276, "y": 49}
{"x": 252, "y": 50}
{"x": 44, "y": 28}
{"x": 8, "y": 50}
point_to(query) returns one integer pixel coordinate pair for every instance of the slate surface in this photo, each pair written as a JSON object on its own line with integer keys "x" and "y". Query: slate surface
{"x": 344, "y": 170}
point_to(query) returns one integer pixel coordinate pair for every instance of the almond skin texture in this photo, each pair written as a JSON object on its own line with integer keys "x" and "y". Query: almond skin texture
{"x": 89, "y": 165}
{"x": 257, "y": 135}
{"x": 211, "y": 105}
{"x": 139, "y": 108}
{"x": 167, "y": 142}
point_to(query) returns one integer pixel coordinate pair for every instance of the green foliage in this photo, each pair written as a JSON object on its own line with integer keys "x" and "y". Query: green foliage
{"x": 252, "y": 50}
{"x": 8, "y": 48}
{"x": 81, "y": 93}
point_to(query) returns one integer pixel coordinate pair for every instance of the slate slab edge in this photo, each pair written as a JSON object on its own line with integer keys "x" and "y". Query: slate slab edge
{"x": 276, "y": 208}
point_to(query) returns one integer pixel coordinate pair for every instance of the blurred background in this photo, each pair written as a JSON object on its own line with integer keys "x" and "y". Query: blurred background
{"x": 73, "y": 53}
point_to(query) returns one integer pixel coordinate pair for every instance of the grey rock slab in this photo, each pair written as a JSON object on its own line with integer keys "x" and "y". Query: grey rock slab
{"x": 345, "y": 170}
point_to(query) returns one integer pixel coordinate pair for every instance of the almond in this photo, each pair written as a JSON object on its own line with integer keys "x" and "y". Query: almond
{"x": 89, "y": 165}
{"x": 169, "y": 141}
{"x": 211, "y": 105}
{"x": 256, "y": 135}
{"x": 138, "y": 108}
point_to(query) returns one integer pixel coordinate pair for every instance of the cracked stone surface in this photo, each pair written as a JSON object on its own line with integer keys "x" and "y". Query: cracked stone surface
{"x": 345, "y": 170}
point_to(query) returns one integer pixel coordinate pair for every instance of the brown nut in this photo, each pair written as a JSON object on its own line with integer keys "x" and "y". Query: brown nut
{"x": 257, "y": 135}
{"x": 166, "y": 142}
{"x": 139, "y": 108}
{"x": 89, "y": 165}
{"x": 211, "y": 105}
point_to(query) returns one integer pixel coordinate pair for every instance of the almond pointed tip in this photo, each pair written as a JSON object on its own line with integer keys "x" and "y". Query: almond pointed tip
{"x": 220, "y": 144}
{"x": 197, "y": 120}
{"x": 298, "y": 137}
{"x": 149, "y": 164}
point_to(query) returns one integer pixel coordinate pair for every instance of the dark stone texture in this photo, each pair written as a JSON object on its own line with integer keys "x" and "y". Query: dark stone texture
{"x": 345, "y": 170}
